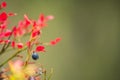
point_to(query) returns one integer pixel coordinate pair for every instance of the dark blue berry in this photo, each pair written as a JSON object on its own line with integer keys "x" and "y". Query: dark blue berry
{"x": 35, "y": 56}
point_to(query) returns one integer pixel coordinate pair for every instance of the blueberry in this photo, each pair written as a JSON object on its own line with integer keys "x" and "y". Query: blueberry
{"x": 35, "y": 56}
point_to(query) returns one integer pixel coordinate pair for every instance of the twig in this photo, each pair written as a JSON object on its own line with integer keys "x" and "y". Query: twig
{"x": 4, "y": 46}
{"x": 13, "y": 56}
{"x": 51, "y": 73}
{"x": 45, "y": 75}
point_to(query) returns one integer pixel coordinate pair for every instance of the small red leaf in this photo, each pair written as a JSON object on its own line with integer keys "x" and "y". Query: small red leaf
{"x": 20, "y": 45}
{"x": 28, "y": 44}
{"x": 1, "y": 41}
{"x": 58, "y": 40}
{"x": 13, "y": 44}
{"x": 35, "y": 33}
{"x": 27, "y": 20}
{"x": 50, "y": 17}
{"x": 12, "y": 14}
{"x": 42, "y": 18}
{"x": 7, "y": 33}
{"x": 7, "y": 41}
{"x": 40, "y": 48}
{"x": 53, "y": 42}
{"x": 4, "y": 4}
{"x": 3, "y": 16}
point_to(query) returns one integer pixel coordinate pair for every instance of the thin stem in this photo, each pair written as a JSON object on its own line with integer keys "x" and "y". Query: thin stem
{"x": 51, "y": 72}
{"x": 4, "y": 46}
{"x": 29, "y": 53}
{"x": 45, "y": 75}
{"x": 12, "y": 56}
{"x": 28, "y": 57}
{"x": 3, "y": 49}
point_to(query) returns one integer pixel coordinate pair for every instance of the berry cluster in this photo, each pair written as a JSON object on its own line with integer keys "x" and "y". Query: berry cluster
{"x": 11, "y": 38}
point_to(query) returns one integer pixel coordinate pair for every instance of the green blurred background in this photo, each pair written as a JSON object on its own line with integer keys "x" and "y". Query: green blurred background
{"x": 90, "y": 44}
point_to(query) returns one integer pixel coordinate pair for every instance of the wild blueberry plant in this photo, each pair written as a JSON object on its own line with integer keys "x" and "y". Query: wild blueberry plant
{"x": 11, "y": 38}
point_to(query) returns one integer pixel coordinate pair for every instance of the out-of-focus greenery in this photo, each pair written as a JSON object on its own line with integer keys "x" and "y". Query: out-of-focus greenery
{"x": 90, "y": 46}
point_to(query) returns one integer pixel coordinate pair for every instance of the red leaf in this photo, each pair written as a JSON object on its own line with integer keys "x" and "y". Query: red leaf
{"x": 1, "y": 35}
{"x": 11, "y": 14}
{"x": 27, "y": 20}
{"x": 7, "y": 41}
{"x": 13, "y": 44}
{"x": 35, "y": 33}
{"x": 42, "y": 18}
{"x": 50, "y": 17}
{"x": 53, "y": 42}
{"x": 40, "y": 48}
{"x": 1, "y": 41}
{"x": 3, "y": 26}
{"x": 28, "y": 44}
{"x": 7, "y": 33}
{"x": 4, "y": 4}
{"x": 3, "y": 16}
{"x": 15, "y": 31}
{"x": 58, "y": 40}
{"x": 34, "y": 23}
{"x": 20, "y": 45}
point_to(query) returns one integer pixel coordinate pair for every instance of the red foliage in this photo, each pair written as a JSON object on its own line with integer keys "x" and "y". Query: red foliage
{"x": 3, "y": 4}
{"x": 54, "y": 42}
{"x": 13, "y": 44}
{"x": 3, "y": 16}
{"x": 40, "y": 48}
{"x": 20, "y": 45}
{"x": 7, "y": 33}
